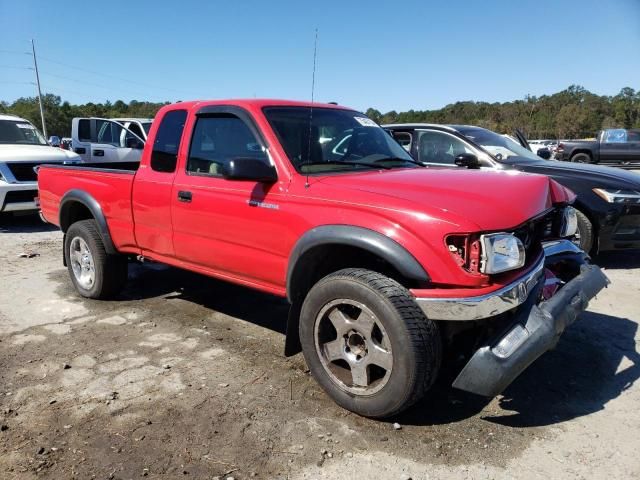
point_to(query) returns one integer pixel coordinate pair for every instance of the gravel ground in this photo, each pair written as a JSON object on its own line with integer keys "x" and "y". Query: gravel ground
{"x": 183, "y": 376}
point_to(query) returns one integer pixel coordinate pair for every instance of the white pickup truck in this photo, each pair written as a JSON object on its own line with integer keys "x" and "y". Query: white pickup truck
{"x": 22, "y": 148}
{"x": 107, "y": 140}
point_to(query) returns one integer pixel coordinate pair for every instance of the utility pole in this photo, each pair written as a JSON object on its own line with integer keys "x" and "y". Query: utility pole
{"x": 35, "y": 64}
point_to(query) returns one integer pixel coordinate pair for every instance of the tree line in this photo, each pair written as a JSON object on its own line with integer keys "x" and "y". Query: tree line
{"x": 572, "y": 113}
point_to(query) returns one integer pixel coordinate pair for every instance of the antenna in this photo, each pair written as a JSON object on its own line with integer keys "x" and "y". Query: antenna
{"x": 313, "y": 87}
{"x": 35, "y": 64}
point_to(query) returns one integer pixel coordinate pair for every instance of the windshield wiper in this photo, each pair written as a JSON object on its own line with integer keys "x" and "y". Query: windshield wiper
{"x": 338, "y": 162}
{"x": 398, "y": 159}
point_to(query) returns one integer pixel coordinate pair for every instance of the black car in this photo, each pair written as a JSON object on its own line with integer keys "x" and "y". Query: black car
{"x": 608, "y": 199}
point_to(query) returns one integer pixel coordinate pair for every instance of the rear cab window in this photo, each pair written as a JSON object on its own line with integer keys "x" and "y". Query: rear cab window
{"x": 164, "y": 156}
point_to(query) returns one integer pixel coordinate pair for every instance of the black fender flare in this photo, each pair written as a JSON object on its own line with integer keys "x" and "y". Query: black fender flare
{"x": 376, "y": 243}
{"x": 84, "y": 198}
{"x": 369, "y": 240}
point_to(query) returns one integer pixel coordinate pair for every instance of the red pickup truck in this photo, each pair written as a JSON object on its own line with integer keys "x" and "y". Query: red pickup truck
{"x": 387, "y": 265}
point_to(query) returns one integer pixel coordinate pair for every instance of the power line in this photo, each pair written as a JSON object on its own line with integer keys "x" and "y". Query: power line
{"x": 92, "y": 72}
{"x": 82, "y": 82}
{"x": 16, "y": 68}
{"x": 17, "y": 83}
{"x": 15, "y": 52}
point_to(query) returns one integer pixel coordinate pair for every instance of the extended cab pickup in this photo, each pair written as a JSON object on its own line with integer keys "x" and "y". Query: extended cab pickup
{"x": 385, "y": 263}
{"x": 613, "y": 146}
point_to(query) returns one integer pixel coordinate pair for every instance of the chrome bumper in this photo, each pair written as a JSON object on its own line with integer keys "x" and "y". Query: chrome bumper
{"x": 500, "y": 301}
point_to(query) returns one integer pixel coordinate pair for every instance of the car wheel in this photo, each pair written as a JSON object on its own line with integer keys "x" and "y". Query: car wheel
{"x": 94, "y": 272}
{"x": 584, "y": 233}
{"x": 367, "y": 342}
{"x": 581, "y": 158}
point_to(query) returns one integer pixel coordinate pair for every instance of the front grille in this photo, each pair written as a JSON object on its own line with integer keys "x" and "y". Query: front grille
{"x": 18, "y": 196}
{"x": 23, "y": 171}
{"x": 534, "y": 232}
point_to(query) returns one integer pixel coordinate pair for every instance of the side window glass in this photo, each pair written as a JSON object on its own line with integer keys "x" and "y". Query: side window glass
{"x": 404, "y": 139}
{"x": 84, "y": 130}
{"x": 440, "y": 148}
{"x": 217, "y": 140}
{"x": 130, "y": 140}
{"x": 167, "y": 142}
{"x": 110, "y": 133}
{"x": 615, "y": 135}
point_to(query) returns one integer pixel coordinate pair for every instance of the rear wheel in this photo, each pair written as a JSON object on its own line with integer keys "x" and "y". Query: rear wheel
{"x": 367, "y": 342}
{"x": 584, "y": 237}
{"x": 581, "y": 158}
{"x": 94, "y": 272}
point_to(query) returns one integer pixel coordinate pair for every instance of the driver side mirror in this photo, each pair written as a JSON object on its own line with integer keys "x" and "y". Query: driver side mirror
{"x": 468, "y": 160}
{"x": 249, "y": 169}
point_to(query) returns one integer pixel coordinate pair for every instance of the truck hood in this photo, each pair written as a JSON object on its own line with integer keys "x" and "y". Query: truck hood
{"x": 35, "y": 153}
{"x": 487, "y": 199}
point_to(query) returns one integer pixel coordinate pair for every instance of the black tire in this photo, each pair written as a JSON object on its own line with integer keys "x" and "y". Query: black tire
{"x": 414, "y": 340}
{"x": 585, "y": 238}
{"x": 581, "y": 158}
{"x": 110, "y": 270}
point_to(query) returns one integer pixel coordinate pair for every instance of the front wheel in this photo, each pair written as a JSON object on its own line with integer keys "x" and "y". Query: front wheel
{"x": 584, "y": 237}
{"x": 94, "y": 272}
{"x": 367, "y": 342}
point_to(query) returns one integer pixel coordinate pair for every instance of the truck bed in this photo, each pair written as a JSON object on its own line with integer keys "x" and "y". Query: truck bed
{"x": 108, "y": 184}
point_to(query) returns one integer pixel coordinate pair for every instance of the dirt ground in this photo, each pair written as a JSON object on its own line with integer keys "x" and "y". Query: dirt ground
{"x": 184, "y": 377}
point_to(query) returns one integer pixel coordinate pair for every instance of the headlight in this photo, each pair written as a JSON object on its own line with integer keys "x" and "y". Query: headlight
{"x": 618, "y": 196}
{"x": 569, "y": 222}
{"x": 501, "y": 252}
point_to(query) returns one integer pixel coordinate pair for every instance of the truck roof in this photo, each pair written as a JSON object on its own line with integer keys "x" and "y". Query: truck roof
{"x": 257, "y": 103}
{"x": 129, "y": 119}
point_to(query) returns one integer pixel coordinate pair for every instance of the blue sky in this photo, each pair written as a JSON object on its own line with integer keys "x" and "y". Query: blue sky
{"x": 389, "y": 55}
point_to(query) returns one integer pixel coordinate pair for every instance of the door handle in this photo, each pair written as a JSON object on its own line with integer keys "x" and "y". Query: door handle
{"x": 98, "y": 153}
{"x": 184, "y": 196}
{"x": 81, "y": 150}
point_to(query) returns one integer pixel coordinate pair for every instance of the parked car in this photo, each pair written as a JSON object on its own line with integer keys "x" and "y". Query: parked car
{"x": 542, "y": 148}
{"x": 54, "y": 141}
{"x": 382, "y": 259}
{"x": 617, "y": 146}
{"x": 22, "y": 149}
{"x": 608, "y": 199}
{"x": 102, "y": 140}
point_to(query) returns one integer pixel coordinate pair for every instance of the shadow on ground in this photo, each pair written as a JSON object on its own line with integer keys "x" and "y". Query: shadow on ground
{"x": 619, "y": 260}
{"x": 153, "y": 280}
{"x": 594, "y": 362}
{"x": 24, "y": 223}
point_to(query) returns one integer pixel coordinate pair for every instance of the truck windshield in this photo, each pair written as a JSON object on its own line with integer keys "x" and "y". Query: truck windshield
{"x": 19, "y": 132}
{"x": 327, "y": 140}
{"x": 146, "y": 126}
{"x": 499, "y": 146}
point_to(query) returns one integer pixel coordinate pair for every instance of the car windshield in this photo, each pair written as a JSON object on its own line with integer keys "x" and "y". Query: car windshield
{"x": 327, "y": 140}
{"x": 146, "y": 126}
{"x": 19, "y": 132}
{"x": 499, "y": 146}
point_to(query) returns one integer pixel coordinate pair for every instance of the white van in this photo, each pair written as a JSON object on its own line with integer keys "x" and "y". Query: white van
{"x": 109, "y": 140}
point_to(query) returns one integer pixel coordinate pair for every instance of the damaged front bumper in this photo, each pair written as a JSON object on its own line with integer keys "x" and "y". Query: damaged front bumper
{"x": 536, "y": 327}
